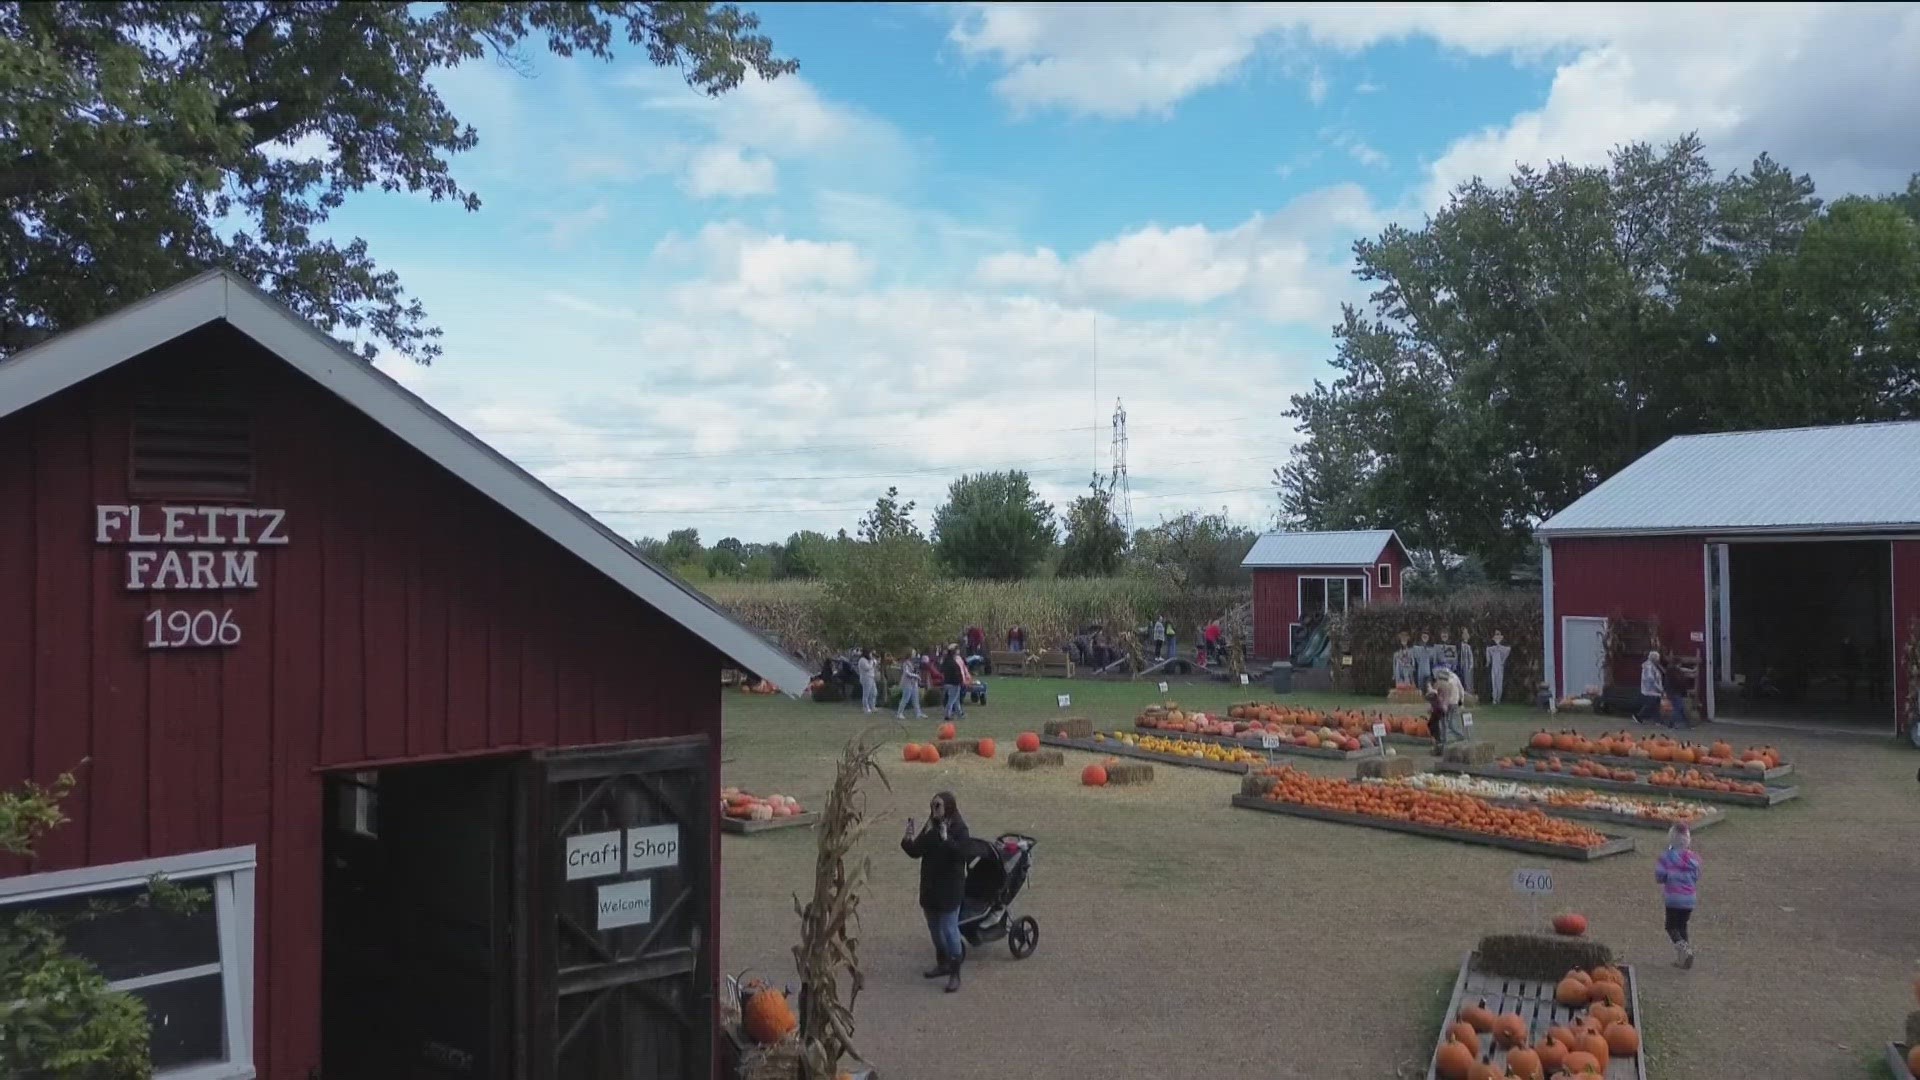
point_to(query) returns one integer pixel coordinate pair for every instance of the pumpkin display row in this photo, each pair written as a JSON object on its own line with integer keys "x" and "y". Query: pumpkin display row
{"x": 1346, "y": 721}
{"x": 1339, "y": 729}
{"x": 1579, "y": 1049}
{"x": 1665, "y": 777}
{"x": 745, "y": 806}
{"x": 1442, "y": 809}
{"x": 1660, "y": 748}
{"x": 1665, "y": 811}
{"x": 1185, "y": 748}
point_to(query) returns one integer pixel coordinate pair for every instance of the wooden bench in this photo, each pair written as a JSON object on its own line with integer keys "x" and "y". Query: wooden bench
{"x": 1052, "y": 664}
{"x": 1009, "y": 663}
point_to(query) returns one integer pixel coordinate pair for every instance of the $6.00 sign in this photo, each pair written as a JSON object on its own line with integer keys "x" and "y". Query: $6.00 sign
{"x": 1533, "y": 882}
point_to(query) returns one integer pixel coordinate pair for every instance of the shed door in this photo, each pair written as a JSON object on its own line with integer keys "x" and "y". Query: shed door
{"x": 625, "y": 987}
{"x": 1583, "y": 653}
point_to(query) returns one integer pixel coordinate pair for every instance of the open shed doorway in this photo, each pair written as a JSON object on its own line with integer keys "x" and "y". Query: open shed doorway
{"x": 1808, "y": 631}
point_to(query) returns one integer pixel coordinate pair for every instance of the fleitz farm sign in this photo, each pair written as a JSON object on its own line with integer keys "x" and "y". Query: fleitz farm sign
{"x": 190, "y": 549}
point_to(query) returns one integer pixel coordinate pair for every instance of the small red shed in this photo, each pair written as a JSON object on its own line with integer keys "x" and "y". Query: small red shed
{"x": 440, "y": 749}
{"x": 1787, "y": 562}
{"x": 1298, "y": 575}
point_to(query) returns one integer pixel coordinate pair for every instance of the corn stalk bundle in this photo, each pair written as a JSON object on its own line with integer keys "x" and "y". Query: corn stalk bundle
{"x": 828, "y": 955}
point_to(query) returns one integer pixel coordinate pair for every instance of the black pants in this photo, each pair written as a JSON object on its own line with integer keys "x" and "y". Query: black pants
{"x": 1677, "y": 923}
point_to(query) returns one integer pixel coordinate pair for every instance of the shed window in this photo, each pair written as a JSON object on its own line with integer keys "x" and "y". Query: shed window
{"x": 192, "y": 446}
{"x": 1385, "y": 575}
{"x": 193, "y": 970}
{"x": 1330, "y": 595}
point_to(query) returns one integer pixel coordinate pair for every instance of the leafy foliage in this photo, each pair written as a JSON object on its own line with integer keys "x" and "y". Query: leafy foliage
{"x": 1096, "y": 542}
{"x": 682, "y": 546}
{"x": 809, "y": 555}
{"x": 890, "y": 519}
{"x": 886, "y": 595}
{"x": 1532, "y": 339}
{"x": 147, "y": 141}
{"x": 1195, "y": 551}
{"x": 993, "y": 526}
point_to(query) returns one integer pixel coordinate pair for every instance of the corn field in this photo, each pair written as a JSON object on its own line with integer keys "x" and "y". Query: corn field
{"x": 1051, "y": 610}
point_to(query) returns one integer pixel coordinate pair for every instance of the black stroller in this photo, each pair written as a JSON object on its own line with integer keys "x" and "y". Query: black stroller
{"x": 996, "y": 872}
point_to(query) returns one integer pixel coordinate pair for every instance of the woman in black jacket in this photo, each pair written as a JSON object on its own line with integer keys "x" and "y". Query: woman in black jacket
{"x": 940, "y": 846}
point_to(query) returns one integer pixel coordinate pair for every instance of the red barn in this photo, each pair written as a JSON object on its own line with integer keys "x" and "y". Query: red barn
{"x": 1787, "y": 562}
{"x": 440, "y": 750}
{"x": 1297, "y": 576}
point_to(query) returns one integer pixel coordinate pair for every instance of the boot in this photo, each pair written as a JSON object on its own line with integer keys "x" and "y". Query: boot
{"x": 1686, "y": 955}
{"x": 953, "y": 976}
{"x": 939, "y": 968}
{"x": 1680, "y": 954}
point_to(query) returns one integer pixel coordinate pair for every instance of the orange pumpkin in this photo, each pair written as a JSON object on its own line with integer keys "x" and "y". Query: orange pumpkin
{"x": 1452, "y": 1062}
{"x": 1594, "y": 1044}
{"x": 947, "y": 731}
{"x": 1541, "y": 741}
{"x": 1553, "y": 1054}
{"x": 767, "y": 1017}
{"x": 1579, "y": 1061}
{"x": 985, "y": 748}
{"x": 1570, "y": 924}
{"x": 1479, "y": 1016}
{"x": 1463, "y": 1033}
{"x": 1480, "y": 1070}
{"x": 1623, "y": 1039}
{"x": 1094, "y": 776}
{"x": 1027, "y": 742}
{"x": 910, "y": 752}
{"x": 1509, "y": 1031}
{"x": 1525, "y": 1063}
{"x": 929, "y": 753}
{"x": 1571, "y": 992}
{"x": 1913, "y": 1060}
{"x": 1607, "y": 992}
{"x": 1607, "y": 1014}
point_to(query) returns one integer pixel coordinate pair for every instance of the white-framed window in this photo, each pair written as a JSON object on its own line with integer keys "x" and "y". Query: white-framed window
{"x": 1384, "y": 575}
{"x": 193, "y": 971}
{"x": 1330, "y": 595}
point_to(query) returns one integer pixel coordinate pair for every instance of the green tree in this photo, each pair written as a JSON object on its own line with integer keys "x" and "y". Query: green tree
{"x": 993, "y": 526}
{"x": 1096, "y": 542}
{"x": 1532, "y": 339}
{"x": 886, "y": 595}
{"x": 890, "y": 519}
{"x": 808, "y": 555}
{"x": 146, "y": 141}
{"x": 723, "y": 562}
{"x": 652, "y": 547}
{"x": 1195, "y": 551}
{"x": 682, "y": 548}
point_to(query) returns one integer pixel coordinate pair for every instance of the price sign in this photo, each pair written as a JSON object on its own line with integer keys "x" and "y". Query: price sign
{"x": 1269, "y": 741}
{"x": 1467, "y": 718}
{"x": 1533, "y": 882}
{"x": 1380, "y": 732}
{"x": 1243, "y": 678}
{"x": 1065, "y": 700}
{"x": 1163, "y": 688}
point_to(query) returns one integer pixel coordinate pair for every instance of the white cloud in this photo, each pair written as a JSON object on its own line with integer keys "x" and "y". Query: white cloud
{"x": 1317, "y": 87}
{"x": 732, "y": 254}
{"x": 565, "y": 228}
{"x": 1289, "y": 266}
{"x": 725, "y": 171}
{"x": 786, "y": 117}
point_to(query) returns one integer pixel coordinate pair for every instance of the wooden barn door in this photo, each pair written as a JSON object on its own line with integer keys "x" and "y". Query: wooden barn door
{"x": 623, "y": 987}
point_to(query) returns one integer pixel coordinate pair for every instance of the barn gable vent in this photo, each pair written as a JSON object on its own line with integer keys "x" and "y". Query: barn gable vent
{"x": 192, "y": 446}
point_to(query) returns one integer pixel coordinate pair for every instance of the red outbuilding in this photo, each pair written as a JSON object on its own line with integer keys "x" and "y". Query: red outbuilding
{"x": 1787, "y": 563}
{"x": 1302, "y": 576}
{"x": 440, "y": 750}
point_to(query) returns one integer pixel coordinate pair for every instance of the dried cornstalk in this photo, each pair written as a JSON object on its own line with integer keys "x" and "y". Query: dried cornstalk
{"x": 829, "y": 950}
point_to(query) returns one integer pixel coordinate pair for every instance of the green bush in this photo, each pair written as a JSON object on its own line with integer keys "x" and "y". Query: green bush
{"x": 1371, "y": 635}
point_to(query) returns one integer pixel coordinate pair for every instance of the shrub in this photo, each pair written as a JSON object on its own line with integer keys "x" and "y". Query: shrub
{"x": 1371, "y": 635}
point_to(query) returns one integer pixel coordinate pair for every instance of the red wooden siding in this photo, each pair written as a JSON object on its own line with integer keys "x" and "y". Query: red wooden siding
{"x": 1906, "y": 608}
{"x": 1632, "y": 578}
{"x": 1276, "y": 596}
{"x": 408, "y": 616}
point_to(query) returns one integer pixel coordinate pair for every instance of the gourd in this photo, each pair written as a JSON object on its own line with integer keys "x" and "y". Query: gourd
{"x": 1623, "y": 1039}
{"x": 767, "y": 1017}
{"x": 1027, "y": 743}
{"x": 760, "y": 812}
{"x": 1094, "y": 776}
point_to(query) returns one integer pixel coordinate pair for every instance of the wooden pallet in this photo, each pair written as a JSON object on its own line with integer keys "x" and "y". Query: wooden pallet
{"x": 1648, "y": 765}
{"x": 1120, "y": 749}
{"x": 745, "y": 826}
{"x": 1615, "y": 845}
{"x": 1775, "y": 795}
{"x": 1285, "y": 747}
{"x": 1897, "y": 1061}
{"x": 1533, "y": 1001}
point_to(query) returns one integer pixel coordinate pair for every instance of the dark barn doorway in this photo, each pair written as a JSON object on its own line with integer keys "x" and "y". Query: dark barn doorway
{"x": 1808, "y": 631}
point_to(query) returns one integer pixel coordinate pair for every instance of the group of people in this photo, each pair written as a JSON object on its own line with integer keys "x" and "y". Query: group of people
{"x": 946, "y": 668}
{"x": 1664, "y": 682}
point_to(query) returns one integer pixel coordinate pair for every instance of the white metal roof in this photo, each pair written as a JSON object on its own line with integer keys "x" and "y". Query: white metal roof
{"x": 1356, "y": 548}
{"x": 82, "y": 353}
{"x": 1862, "y": 477}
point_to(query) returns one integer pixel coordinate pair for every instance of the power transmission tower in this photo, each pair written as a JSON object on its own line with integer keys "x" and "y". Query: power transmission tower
{"x": 1117, "y": 482}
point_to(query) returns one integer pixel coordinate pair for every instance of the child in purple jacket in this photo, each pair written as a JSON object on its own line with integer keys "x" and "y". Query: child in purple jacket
{"x": 1678, "y": 872}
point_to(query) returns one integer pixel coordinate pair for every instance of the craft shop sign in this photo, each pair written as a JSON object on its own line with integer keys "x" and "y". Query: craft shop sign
{"x": 187, "y": 549}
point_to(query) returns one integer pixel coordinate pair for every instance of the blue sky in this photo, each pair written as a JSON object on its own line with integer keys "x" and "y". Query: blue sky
{"x": 959, "y": 233}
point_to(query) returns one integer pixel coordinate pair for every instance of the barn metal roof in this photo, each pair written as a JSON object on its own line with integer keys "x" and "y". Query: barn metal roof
{"x": 1861, "y": 477}
{"x": 220, "y": 296}
{"x": 1357, "y": 548}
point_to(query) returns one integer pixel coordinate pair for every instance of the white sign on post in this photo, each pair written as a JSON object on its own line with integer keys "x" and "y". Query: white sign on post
{"x": 1163, "y": 687}
{"x": 1533, "y": 882}
{"x": 653, "y": 847}
{"x": 1065, "y": 700}
{"x": 1243, "y": 678}
{"x": 1269, "y": 741}
{"x": 625, "y": 903}
{"x": 592, "y": 855}
{"x": 1467, "y": 718}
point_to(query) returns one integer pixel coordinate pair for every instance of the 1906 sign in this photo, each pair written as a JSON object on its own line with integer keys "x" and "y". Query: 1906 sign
{"x": 190, "y": 549}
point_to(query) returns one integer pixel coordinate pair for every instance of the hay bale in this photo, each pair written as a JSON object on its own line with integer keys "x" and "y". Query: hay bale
{"x": 955, "y": 747}
{"x": 1530, "y": 956}
{"x": 1038, "y": 759}
{"x": 1129, "y": 772}
{"x": 1256, "y": 786}
{"x": 1385, "y": 768}
{"x": 1073, "y": 727}
{"x": 1472, "y": 752}
{"x": 1405, "y": 695}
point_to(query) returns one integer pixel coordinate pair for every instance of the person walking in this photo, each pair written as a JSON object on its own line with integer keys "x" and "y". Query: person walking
{"x": 941, "y": 847}
{"x": 910, "y": 686}
{"x": 1443, "y": 712}
{"x": 1652, "y": 689}
{"x": 1159, "y": 636}
{"x": 1212, "y": 636}
{"x": 1677, "y": 871}
{"x": 1678, "y": 681}
{"x": 869, "y": 690}
{"x": 953, "y": 679}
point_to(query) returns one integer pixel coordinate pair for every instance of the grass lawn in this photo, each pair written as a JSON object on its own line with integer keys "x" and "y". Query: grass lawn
{"x": 1181, "y": 937}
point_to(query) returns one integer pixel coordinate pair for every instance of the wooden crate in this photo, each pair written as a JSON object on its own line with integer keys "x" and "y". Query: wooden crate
{"x": 1615, "y": 845}
{"x": 1533, "y": 1001}
{"x": 744, "y": 826}
{"x": 1713, "y": 815}
{"x": 1648, "y": 765}
{"x": 1285, "y": 747}
{"x": 1776, "y": 794}
{"x": 1120, "y": 749}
